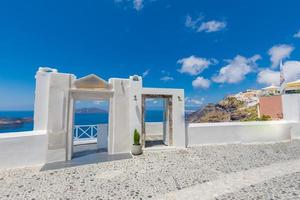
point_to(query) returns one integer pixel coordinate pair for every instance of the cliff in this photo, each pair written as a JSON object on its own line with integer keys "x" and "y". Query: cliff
{"x": 226, "y": 110}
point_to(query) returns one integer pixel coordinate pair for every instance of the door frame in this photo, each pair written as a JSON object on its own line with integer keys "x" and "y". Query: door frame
{"x": 85, "y": 95}
{"x": 168, "y": 107}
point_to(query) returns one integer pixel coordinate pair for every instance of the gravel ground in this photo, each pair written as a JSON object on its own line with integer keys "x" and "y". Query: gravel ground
{"x": 285, "y": 187}
{"x": 152, "y": 174}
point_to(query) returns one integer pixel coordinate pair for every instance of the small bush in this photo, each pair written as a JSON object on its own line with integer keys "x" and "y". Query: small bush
{"x": 265, "y": 118}
{"x": 136, "y": 137}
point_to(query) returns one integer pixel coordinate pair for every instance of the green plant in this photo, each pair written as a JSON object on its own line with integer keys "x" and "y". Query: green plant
{"x": 136, "y": 137}
{"x": 265, "y": 118}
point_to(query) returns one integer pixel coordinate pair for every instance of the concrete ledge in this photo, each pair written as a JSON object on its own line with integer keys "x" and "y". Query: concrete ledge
{"x": 85, "y": 141}
{"x": 21, "y": 134}
{"x": 154, "y": 128}
{"x": 253, "y": 123}
{"x": 23, "y": 149}
{"x": 241, "y": 132}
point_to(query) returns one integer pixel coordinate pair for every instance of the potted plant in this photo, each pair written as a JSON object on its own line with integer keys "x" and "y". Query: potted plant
{"x": 136, "y": 147}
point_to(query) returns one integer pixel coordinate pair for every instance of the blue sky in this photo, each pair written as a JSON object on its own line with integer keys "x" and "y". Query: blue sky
{"x": 209, "y": 48}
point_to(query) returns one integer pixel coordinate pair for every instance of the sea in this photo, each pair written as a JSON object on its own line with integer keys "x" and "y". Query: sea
{"x": 80, "y": 119}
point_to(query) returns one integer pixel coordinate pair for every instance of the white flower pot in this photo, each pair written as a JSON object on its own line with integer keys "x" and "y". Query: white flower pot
{"x": 136, "y": 149}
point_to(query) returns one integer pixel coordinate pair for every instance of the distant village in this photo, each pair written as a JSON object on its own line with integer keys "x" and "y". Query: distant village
{"x": 250, "y": 105}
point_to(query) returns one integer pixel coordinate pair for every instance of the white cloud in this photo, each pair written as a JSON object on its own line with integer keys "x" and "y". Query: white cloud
{"x": 194, "y": 65}
{"x": 211, "y": 26}
{"x": 236, "y": 69}
{"x": 279, "y": 52}
{"x": 189, "y": 22}
{"x": 291, "y": 70}
{"x": 145, "y": 73}
{"x": 138, "y": 4}
{"x": 201, "y": 82}
{"x": 268, "y": 77}
{"x": 98, "y": 102}
{"x": 194, "y": 101}
{"x": 167, "y": 78}
{"x": 297, "y": 35}
{"x": 154, "y": 101}
{"x": 208, "y": 26}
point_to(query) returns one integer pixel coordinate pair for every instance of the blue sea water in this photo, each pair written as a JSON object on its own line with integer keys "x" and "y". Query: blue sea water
{"x": 80, "y": 119}
{"x": 15, "y": 115}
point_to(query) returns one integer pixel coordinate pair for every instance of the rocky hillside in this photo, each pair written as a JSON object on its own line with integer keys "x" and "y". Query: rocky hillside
{"x": 228, "y": 109}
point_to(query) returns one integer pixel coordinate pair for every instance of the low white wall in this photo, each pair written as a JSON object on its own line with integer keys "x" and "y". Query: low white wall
{"x": 154, "y": 128}
{"x": 291, "y": 107}
{"x": 295, "y": 131}
{"x": 23, "y": 149}
{"x": 242, "y": 132}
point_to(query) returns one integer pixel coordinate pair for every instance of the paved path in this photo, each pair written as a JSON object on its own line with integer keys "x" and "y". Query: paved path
{"x": 158, "y": 173}
{"x": 233, "y": 182}
{"x": 285, "y": 187}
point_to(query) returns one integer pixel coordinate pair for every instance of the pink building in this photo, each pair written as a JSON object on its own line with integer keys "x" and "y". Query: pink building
{"x": 271, "y": 106}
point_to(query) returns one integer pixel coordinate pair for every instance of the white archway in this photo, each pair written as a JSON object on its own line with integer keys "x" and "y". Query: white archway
{"x": 90, "y": 87}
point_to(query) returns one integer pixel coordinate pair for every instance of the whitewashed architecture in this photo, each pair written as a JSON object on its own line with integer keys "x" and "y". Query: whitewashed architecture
{"x": 54, "y": 110}
{"x": 52, "y": 139}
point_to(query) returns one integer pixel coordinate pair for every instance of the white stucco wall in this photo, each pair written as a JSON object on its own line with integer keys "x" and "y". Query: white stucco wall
{"x": 154, "y": 128}
{"x": 51, "y": 111}
{"x": 291, "y": 107}
{"x": 295, "y": 131}
{"x": 22, "y": 149}
{"x": 119, "y": 127}
{"x": 178, "y": 114}
{"x": 291, "y": 112}
{"x": 41, "y": 107}
{"x": 135, "y": 106}
{"x": 241, "y": 132}
{"x": 102, "y": 137}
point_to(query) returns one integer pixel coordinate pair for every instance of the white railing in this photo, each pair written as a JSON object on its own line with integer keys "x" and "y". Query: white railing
{"x": 86, "y": 133}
